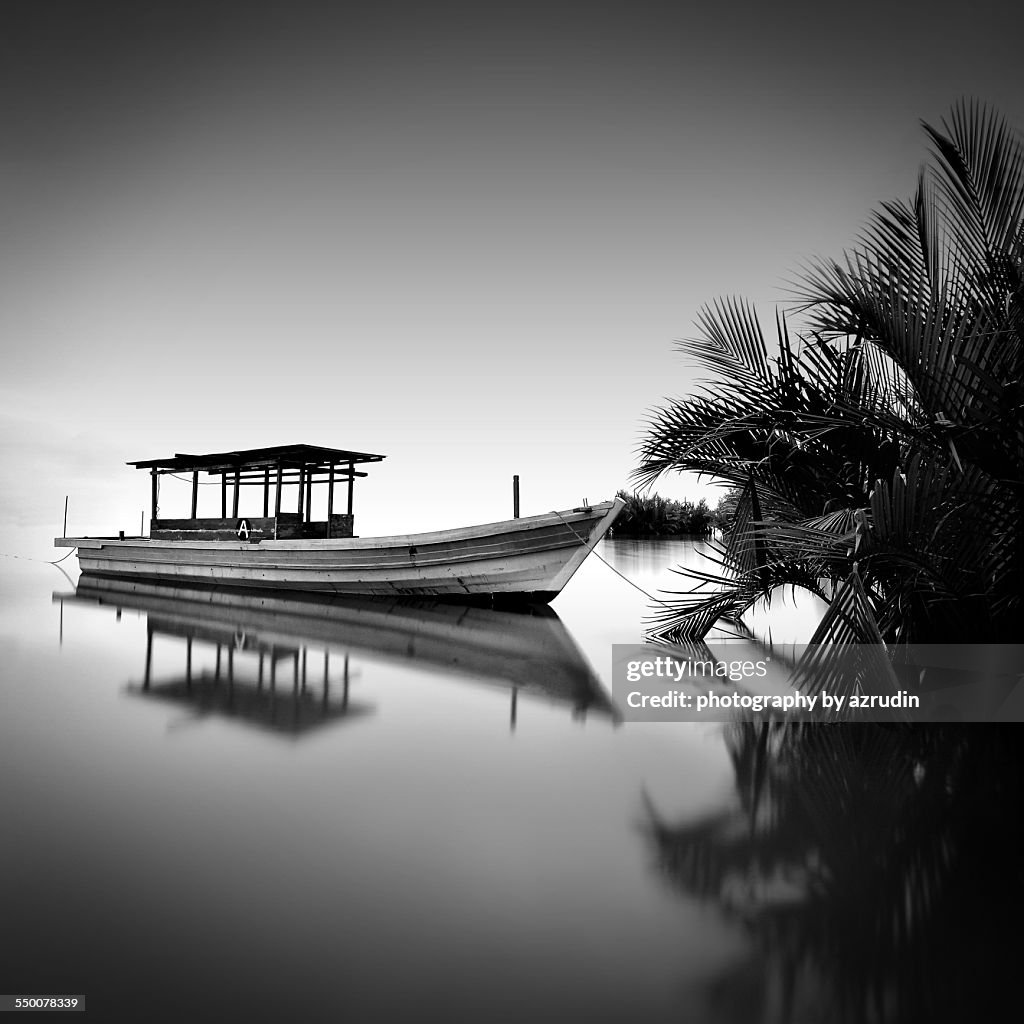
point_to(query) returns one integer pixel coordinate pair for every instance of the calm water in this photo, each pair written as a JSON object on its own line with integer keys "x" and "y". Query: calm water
{"x": 271, "y": 810}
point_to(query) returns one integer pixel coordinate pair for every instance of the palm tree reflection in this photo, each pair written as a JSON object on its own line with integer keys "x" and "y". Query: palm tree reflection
{"x": 877, "y": 870}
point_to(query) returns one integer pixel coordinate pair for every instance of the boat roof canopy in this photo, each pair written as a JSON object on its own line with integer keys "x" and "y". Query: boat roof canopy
{"x": 284, "y": 455}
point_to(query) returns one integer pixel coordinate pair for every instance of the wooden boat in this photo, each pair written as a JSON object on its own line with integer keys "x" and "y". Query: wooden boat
{"x": 530, "y": 558}
{"x": 268, "y": 637}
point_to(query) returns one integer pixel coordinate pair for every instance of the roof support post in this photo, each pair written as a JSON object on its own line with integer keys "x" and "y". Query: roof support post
{"x": 153, "y": 490}
{"x": 302, "y": 489}
{"x": 330, "y": 498}
{"x": 223, "y": 495}
{"x": 351, "y": 480}
{"x": 277, "y": 493}
{"x": 309, "y": 495}
{"x": 234, "y": 499}
{"x": 266, "y": 491}
{"x": 195, "y": 492}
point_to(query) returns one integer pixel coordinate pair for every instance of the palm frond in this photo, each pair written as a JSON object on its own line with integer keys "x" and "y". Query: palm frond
{"x": 891, "y": 429}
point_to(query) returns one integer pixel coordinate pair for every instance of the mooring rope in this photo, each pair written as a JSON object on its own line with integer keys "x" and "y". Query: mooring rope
{"x": 45, "y": 561}
{"x": 598, "y": 554}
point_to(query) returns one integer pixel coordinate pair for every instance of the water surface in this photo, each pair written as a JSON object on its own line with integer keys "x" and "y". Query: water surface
{"x": 273, "y": 812}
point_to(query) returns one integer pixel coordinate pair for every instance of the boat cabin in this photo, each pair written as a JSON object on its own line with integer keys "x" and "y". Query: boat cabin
{"x": 296, "y": 466}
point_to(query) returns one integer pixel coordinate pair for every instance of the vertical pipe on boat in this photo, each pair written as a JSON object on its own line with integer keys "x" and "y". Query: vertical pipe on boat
{"x": 266, "y": 491}
{"x": 153, "y": 489}
{"x": 515, "y": 496}
{"x": 195, "y": 493}
{"x": 223, "y": 495}
{"x": 351, "y": 480}
{"x": 65, "y": 533}
{"x": 234, "y": 499}
{"x": 330, "y": 498}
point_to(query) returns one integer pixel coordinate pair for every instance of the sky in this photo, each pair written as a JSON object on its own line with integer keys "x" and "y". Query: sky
{"x": 464, "y": 236}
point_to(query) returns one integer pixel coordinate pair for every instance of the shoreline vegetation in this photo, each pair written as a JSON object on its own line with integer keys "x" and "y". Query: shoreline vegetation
{"x": 650, "y": 516}
{"x": 875, "y": 439}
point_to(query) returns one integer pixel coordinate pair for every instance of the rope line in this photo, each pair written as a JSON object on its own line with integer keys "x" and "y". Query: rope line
{"x": 186, "y": 480}
{"x": 45, "y": 561}
{"x": 651, "y": 597}
{"x": 599, "y": 556}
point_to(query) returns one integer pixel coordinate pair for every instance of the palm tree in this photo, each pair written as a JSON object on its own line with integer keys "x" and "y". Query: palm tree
{"x": 650, "y": 515}
{"x": 879, "y": 453}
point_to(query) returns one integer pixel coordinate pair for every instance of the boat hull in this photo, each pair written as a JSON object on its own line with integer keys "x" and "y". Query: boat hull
{"x": 529, "y": 558}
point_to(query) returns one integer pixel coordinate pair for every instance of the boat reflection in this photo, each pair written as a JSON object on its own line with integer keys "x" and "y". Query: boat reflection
{"x": 282, "y": 661}
{"x": 262, "y": 683}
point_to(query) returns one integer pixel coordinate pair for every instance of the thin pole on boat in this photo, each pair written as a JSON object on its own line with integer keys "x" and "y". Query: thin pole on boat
{"x": 142, "y": 522}
{"x": 515, "y": 496}
{"x": 65, "y": 533}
